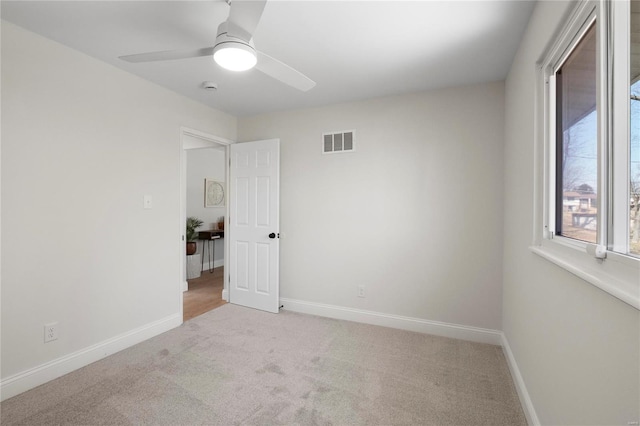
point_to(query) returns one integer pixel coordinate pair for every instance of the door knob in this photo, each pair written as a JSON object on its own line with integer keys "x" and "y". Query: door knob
{"x": 272, "y": 235}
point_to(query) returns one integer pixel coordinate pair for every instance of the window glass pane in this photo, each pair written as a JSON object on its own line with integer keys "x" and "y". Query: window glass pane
{"x": 577, "y": 142}
{"x": 634, "y": 234}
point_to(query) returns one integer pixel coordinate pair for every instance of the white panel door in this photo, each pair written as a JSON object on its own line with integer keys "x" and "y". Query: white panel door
{"x": 254, "y": 225}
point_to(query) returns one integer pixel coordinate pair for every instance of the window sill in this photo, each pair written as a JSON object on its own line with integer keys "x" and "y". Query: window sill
{"x": 617, "y": 275}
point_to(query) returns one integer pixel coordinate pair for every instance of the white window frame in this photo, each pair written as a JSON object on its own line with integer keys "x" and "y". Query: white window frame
{"x": 600, "y": 264}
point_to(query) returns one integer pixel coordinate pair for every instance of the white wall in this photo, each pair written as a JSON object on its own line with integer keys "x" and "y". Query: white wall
{"x": 82, "y": 143}
{"x": 205, "y": 163}
{"x": 577, "y": 347}
{"x": 415, "y": 214}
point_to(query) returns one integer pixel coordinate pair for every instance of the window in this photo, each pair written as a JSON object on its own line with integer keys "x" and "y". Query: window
{"x": 577, "y": 142}
{"x": 634, "y": 188}
{"x": 634, "y": 130}
{"x": 588, "y": 209}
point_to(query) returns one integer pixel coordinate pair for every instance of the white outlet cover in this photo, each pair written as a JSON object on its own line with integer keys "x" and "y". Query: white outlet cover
{"x": 148, "y": 201}
{"x": 50, "y": 332}
{"x": 360, "y": 291}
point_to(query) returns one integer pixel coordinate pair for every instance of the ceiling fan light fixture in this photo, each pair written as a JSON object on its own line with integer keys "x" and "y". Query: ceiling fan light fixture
{"x": 235, "y": 56}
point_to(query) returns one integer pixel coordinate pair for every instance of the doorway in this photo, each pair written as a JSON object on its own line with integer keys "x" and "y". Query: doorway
{"x": 204, "y": 160}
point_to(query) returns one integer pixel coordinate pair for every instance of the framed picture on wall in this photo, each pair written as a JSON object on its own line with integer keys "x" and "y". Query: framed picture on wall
{"x": 213, "y": 193}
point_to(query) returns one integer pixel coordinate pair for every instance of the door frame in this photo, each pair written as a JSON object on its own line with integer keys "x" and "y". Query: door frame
{"x": 196, "y": 139}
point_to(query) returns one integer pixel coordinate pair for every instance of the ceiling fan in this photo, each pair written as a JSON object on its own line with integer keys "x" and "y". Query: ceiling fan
{"x": 234, "y": 49}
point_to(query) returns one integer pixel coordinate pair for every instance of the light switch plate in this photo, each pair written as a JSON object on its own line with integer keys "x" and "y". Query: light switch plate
{"x": 148, "y": 201}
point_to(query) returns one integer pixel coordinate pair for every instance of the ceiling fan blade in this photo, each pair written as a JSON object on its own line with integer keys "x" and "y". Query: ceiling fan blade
{"x": 244, "y": 17}
{"x": 168, "y": 55}
{"x": 283, "y": 72}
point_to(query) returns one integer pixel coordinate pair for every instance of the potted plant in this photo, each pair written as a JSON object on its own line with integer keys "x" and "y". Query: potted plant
{"x": 193, "y": 223}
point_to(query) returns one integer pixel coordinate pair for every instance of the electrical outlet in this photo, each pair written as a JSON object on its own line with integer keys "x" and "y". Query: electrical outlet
{"x": 361, "y": 291}
{"x": 50, "y": 332}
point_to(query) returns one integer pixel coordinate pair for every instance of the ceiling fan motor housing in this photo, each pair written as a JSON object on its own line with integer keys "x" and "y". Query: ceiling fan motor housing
{"x": 233, "y": 53}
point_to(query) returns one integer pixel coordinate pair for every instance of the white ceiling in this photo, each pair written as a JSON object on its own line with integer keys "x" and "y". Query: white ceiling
{"x": 352, "y": 49}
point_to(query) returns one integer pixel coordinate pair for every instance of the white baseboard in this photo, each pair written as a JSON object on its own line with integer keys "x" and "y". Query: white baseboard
{"x": 523, "y": 394}
{"x": 225, "y": 294}
{"x": 185, "y": 286}
{"x": 29, "y": 379}
{"x": 455, "y": 331}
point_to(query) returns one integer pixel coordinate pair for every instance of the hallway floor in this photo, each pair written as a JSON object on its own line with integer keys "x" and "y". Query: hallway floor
{"x": 205, "y": 294}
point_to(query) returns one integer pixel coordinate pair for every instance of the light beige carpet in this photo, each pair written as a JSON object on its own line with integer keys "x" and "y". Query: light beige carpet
{"x": 235, "y": 365}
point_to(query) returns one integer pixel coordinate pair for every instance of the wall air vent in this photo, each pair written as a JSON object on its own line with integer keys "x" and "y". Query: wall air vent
{"x": 335, "y": 142}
